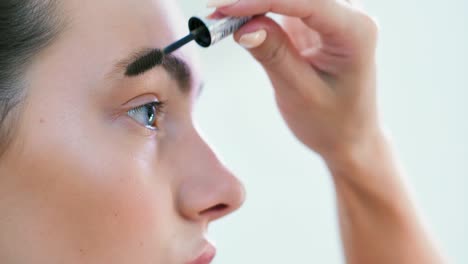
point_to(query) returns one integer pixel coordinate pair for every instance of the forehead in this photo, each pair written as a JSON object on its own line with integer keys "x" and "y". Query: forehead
{"x": 105, "y": 31}
{"x": 148, "y": 20}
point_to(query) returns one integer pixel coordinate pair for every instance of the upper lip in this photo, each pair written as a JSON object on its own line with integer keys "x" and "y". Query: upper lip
{"x": 206, "y": 256}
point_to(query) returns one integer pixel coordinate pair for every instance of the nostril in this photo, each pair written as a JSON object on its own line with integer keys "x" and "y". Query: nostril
{"x": 215, "y": 209}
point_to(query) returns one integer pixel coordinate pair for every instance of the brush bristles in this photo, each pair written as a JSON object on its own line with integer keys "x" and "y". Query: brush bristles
{"x": 156, "y": 56}
{"x": 145, "y": 63}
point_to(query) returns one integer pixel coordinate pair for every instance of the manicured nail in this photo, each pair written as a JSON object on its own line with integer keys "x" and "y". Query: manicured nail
{"x": 254, "y": 39}
{"x": 220, "y": 3}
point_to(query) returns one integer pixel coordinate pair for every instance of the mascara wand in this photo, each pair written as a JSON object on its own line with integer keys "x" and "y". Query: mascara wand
{"x": 155, "y": 57}
{"x": 182, "y": 42}
{"x": 206, "y": 31}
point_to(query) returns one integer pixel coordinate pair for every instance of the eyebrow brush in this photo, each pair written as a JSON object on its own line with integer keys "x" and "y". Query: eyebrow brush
{"x": 206, "y": 31}
{"x": 193, "y": 35}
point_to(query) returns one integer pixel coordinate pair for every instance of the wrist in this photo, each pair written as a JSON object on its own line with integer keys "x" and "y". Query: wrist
{"x": 369, "y": 151}
{"x": 368, "y": 173}
{"x": 368, "y": 169}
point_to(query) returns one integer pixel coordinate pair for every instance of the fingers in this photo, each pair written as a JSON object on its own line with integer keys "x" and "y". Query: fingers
{"x": 338, "y": 22}
{"x": 300, "y": 34}
{"x": 325, "y": 16}
{"x": 271, "y": 46}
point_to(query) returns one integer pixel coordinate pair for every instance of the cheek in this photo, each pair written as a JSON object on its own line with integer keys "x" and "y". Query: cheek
{"x": 92, "y": 197}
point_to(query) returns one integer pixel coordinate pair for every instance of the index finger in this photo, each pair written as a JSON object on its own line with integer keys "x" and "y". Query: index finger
{"x": 328, "y": 17}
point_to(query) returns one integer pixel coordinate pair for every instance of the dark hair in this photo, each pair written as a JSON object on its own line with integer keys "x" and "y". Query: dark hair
{"x": 26, "y": 27}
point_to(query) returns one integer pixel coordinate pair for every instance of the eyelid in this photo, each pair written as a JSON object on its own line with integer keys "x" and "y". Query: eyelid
{"x": 141, "y": 100}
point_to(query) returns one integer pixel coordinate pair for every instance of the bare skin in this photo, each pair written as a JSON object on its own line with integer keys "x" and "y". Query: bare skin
{"x": 322, "y": 67}
{"x": 86, "y": 182}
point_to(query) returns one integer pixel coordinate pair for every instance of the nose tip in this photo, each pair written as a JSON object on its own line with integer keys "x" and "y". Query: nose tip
{"x": 214, "y": 197}
{"x": 206, "y": 189}
{"x": 230, "y": 198}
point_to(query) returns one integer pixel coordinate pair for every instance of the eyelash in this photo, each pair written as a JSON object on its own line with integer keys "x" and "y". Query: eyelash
{"x": 150, "y": 114}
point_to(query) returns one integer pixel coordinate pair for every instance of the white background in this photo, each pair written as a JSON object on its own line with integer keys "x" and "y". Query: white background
{"x": 289, "y": 216}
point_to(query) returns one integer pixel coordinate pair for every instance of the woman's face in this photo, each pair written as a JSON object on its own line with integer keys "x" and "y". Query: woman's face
{"x": 97, "y": 174}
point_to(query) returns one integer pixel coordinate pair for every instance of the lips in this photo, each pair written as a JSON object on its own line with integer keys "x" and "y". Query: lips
{"x": 206, "y": 256}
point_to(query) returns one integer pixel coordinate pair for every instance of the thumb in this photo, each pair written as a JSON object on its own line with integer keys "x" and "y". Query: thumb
{"x": 270, "y": 45}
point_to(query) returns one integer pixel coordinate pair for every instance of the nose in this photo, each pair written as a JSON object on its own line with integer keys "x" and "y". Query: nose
{"x": 207, "y": 190}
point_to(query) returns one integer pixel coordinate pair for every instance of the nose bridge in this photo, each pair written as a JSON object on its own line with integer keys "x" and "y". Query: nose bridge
{"x": 207, "y": 190}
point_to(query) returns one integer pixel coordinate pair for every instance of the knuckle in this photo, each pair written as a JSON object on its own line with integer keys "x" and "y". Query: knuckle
{"x": 365, "y": 30}
{"x": 369, "y": 25}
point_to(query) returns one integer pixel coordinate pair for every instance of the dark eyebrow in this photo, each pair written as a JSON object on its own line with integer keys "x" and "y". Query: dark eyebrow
{"x": 175, "y": 66}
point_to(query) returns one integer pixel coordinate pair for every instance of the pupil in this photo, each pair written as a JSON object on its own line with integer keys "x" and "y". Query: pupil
{"x": 151, "y": 110}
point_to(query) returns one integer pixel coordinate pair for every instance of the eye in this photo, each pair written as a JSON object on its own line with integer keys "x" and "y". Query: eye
{"x": 148, "y": 115}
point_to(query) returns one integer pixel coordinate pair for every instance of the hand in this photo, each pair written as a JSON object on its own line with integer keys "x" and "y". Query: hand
{"x": 322, "y": 67}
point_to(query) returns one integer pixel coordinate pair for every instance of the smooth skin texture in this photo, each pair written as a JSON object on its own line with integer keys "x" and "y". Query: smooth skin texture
{"x": 85, "y": 183}
{"x": 322, "y": 67}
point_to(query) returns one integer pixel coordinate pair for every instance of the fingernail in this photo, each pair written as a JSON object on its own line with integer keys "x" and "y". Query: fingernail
{"x": 253, "y": 40}
{"x": 220, "y": 3}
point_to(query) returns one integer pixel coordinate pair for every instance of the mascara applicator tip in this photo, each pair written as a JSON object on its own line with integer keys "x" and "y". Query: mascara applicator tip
{"x": 156, "y": 56}
{"x": 153, "y": 58}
